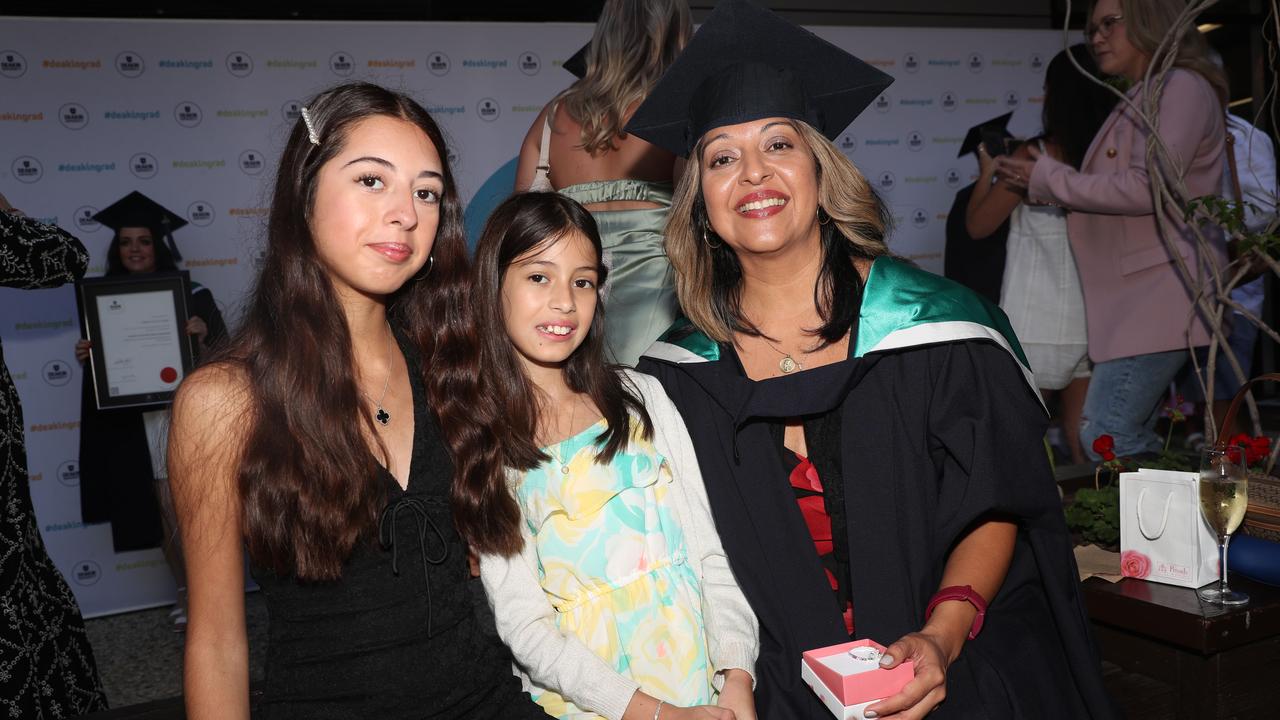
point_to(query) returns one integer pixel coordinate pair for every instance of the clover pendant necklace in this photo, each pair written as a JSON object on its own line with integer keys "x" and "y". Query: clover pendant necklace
{"x": 382, "y": 416}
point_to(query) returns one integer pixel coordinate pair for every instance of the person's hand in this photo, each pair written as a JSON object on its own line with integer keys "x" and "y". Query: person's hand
{"x": 986, "y": 163}
{"x": 918, "y": 697}
{"x": 736, "y": 695}
{"x": 82, "y": 350}
{"x": 1017, "y": 171}
{"x": 196, "y": 326}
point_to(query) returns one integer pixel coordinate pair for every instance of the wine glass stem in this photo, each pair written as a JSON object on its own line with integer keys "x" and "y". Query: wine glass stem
{"x": 1222, "y": 581}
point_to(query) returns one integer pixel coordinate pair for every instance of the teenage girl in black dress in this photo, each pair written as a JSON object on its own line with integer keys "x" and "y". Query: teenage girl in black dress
{"x": 315, "y": 439}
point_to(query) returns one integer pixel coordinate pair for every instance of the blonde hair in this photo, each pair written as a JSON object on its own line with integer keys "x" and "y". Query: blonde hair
{"x": 634, "y": 43}
{"x": 860, "y": 219}
{"x": 1146, "y": 22}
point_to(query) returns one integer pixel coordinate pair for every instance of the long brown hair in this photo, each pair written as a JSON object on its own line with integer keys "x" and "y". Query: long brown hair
{"x": 307, "y": 479}
{"x": 634, "y": 43}
{"x": 709, "y": 277}
{"x": 501, "y": 427}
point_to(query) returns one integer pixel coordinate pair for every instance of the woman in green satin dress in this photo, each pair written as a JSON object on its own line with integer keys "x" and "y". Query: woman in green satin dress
{"x": 577, "y": 147}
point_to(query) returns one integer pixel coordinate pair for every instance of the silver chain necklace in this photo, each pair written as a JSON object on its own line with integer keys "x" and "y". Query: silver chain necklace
{"x": 553, "y": 448}
{"x": 382, "y": 416}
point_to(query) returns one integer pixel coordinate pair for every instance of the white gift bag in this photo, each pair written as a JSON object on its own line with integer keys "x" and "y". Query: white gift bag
{"x": 1163, "y": 536}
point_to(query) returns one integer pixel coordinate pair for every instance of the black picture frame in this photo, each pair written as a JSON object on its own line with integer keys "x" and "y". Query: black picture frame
{"x": 92, "y": 292}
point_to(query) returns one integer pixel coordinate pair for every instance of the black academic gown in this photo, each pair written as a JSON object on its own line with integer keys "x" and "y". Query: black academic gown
{"x": 976, "y": 264}
{"x": 117, "y": 483}
{"x": 931, "y": 438}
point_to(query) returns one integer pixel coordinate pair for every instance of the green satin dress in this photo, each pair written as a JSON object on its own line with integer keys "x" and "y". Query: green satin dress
{"x": 639, "y": 293}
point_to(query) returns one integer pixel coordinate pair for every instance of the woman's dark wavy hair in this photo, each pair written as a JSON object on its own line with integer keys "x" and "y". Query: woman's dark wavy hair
{"x": 308, "y": 482}
{"x": 501, "y": 429}
{"x": 1075, "y": 107}
{"x": 164, "y": 258}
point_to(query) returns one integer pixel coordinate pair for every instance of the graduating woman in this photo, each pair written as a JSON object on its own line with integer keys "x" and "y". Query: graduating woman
{"x": 121, "y": 458}
{"x": 869, "y": 433}
{"x": 315, "y": 439}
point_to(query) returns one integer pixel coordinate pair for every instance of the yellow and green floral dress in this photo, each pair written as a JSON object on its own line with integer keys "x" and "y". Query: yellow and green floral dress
{"x": 613, "y": 562}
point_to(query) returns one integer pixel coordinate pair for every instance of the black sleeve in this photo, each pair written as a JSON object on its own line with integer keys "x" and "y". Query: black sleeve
{"x": 204, "y": 307}
{"x": 35, "y": 255}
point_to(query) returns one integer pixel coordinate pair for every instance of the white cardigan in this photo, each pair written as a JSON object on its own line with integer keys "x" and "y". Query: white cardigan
{"x": 559, "y": 662}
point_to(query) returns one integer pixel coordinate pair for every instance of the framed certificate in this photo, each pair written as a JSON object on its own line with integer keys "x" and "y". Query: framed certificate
{"x": 136, "y": 325}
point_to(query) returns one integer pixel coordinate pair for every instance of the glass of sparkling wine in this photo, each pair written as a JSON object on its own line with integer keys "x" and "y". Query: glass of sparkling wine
{"x": 1224, "y": 495}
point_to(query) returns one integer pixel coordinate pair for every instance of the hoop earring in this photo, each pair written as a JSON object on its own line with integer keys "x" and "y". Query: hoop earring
{"x": 707, "y": 241}
{"x": 823, "y": 214}
{"x": 431, "y": 263}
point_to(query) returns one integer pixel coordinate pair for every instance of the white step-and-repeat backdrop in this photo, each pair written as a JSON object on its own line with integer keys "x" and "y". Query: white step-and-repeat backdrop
{"x": 194, "y": 114}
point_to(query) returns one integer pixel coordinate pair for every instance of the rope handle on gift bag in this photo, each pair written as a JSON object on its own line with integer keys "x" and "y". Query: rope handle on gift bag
{"x": 1229, "y": 419}
{"x": 1164, "y": 519}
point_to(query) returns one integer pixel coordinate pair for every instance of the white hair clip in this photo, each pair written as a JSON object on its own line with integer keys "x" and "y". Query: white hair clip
{"x": 311, "y": 129}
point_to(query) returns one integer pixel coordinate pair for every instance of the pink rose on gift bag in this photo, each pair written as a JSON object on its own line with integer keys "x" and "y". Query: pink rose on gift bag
{"x": 1134, "y": 564}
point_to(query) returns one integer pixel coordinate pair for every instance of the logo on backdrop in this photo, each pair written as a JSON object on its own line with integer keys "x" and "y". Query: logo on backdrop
{"x": 975, "y": 63}
{"x": 915, "y": 141}
{"x": 883, "y": 103}
{"x": 438, "y": 63}
{"x": 27, "y": 169}
{"x": 949, "y": 101}
{"x": 488, "y": 109}
{"x": 129, "y": 64}
{"x": 57, "y": 372}
{"x": 251, "y": 162}
{"x": 919, "y": 218}
{"x": 342, "y": 64}
{"x": 84, "y": 218}
{"x": 911, "y": 62}
{"x": 73, "y": 116}
{"x": 144, "y": 166}
{"x": 200, "y": 213}
{"x": 1011, "y": 99}
{"x": 12, "y": 64}
{"x": 848, "y": 143}
{"x": 188, "y": 114}
{"x": 291, "y": 110}
{"x": 86, "y": 572}
{"x": 1036, "y": 63}
{"x": 529, "y": 63}
{"x": 240, "y": 64}
{"x": 69, "y": 473}
{"x": 952, "y": 178}
{"x": 886, "y": 181}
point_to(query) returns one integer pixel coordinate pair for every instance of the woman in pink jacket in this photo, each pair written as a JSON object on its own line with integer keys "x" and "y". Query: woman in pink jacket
{"x": 1139, "y": 311}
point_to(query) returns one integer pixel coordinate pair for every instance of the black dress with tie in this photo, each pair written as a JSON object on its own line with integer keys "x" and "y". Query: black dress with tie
{"x": 400, "y": 635}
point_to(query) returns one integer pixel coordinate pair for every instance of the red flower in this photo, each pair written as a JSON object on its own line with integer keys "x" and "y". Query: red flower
{"x": 1108, "y": 456}
{"x": 1104, "y": 444}
{"x": 1134, "y": 564}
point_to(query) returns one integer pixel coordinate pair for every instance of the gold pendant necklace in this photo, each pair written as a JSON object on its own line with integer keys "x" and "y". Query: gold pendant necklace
{"x": 553, "y": 449}
{"x": 787, "y": 364}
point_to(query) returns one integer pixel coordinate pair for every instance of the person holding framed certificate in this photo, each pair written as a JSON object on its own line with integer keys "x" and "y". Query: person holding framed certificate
{"x": 131, "y": 317}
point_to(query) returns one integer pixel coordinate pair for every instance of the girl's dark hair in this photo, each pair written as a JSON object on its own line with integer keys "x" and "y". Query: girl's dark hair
{"x": 1075, "y": 107}
{"x": 308, "y": 482}
{"x": 837, "y": 295}
{"x": 501, "y": 428}
{"x": 164, "y": 258}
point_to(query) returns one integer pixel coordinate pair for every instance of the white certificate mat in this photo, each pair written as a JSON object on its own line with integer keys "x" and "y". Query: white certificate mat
{"x": 140, "y": 341}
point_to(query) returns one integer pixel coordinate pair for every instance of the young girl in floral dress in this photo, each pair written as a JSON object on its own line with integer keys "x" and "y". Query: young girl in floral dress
{"x": 583, "y": 496}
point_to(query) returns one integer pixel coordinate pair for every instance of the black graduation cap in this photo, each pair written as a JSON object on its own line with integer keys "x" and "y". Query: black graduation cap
{"x": 976, "y": 133}
{"x": 138, "y": 210}
{"x": 746, "y": 63}
{"x": 577, "y": 64}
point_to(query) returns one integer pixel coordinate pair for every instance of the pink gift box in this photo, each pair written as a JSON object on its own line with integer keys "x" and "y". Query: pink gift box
{"x": 846, "y": 686}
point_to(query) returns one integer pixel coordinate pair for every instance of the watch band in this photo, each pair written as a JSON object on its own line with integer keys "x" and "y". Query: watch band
{"x": 961, "y": 592}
